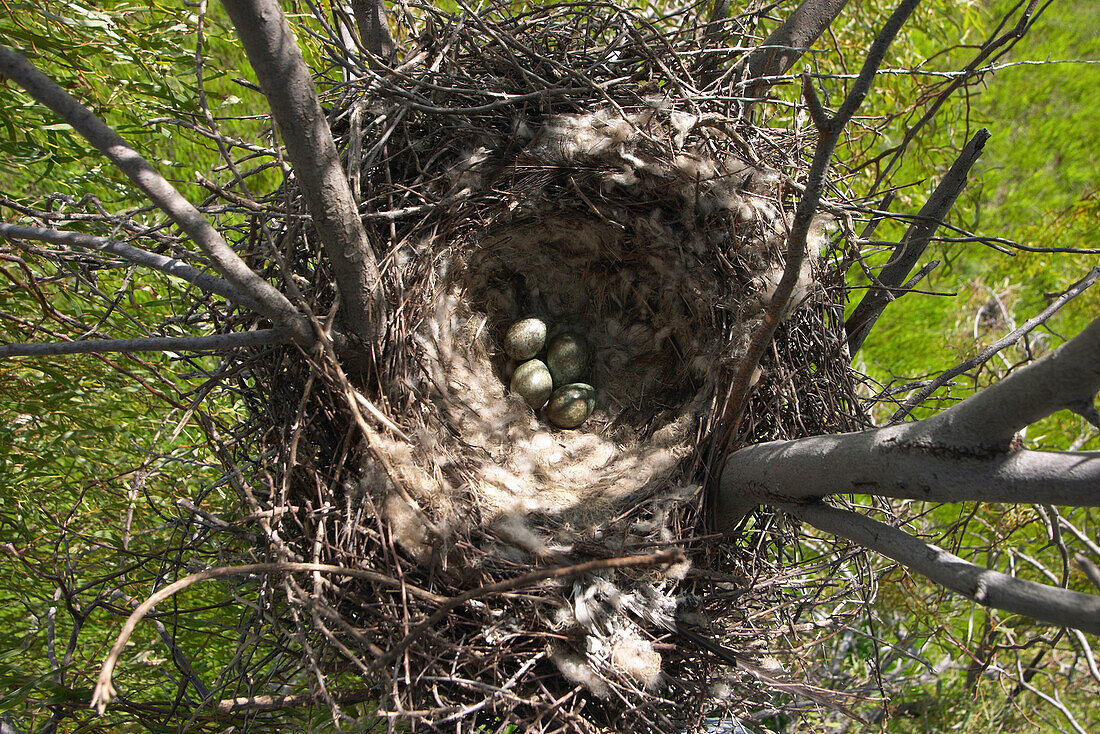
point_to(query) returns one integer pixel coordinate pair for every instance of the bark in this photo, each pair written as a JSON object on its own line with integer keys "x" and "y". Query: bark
{"x": 274, "y": 304}
{"x": 964, "y": 453}
{"x": 374, "y": 31}
{"x": 288, "y": 86}
{"x": 1049, "y": 604}
{"x": 786, "y": 44}
{"x": 913, "y": 244}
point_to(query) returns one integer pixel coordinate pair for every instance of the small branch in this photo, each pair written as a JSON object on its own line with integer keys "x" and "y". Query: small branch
{"x": 288, "y": 86}
{"x": 913, "y": 244}
{"x": 274, "y": 304}
{"x": 1049, "y": 604}
{"x": 761, "y": 337}
{"x": 213, "y": 343}
{"x": 1068, "y": 377}
{"x": 105, "y": 691}
{"x": 171, "y": 266}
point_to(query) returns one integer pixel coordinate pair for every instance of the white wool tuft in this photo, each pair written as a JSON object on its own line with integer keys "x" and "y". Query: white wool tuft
{"x": 636, "y": 658}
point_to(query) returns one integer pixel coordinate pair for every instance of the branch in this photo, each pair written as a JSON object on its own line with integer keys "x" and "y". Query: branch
{"x": 1067, "y": 378}
{"x": 781, "y": 50}
{"x": 1049, "y": 604}
{"x": 274, "y": 304}
{"x": 288, "y": 86}
{"x": 214, "y": 343}
{"x": 171, "y": 266}
{"x": 741, "y": 380}
{"x": 893, "y": 462}
{"x": 961, "y": 454}
{"x": 987, "y": 49}
{"x": 374, "y": 31}
{"x": 913, "y": 244}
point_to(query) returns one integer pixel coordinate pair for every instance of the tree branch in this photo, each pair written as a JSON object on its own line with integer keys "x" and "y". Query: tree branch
{"x": 374, "y": 31}
{"x": 782, "y": 49}
{"x": 761, "y": 337}
{"x": 1066, "y": 378}
{"x": 1049, "y": 604}
{"x": 274, "y": 304}
{"x": 961, "y": 454}
{"x": 288, "y": 86}
{"x": 913, "y": 244}
{"x": 213, "y": 343}
{"x": 890, "y": 463}
{"x": 169, "y": 265}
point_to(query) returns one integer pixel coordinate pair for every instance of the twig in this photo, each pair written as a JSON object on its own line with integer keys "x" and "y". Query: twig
{"x": 169, "y": 265}
{"x": 1044, "y": 603}
{"x": 912, "y": 245}
{"x": 669, "y": 557}
{"x": 1005, "y": 341}
{"x": 212, "y": 343}
{"x": 274, "y": 304}
{"x": 104, "y": 691}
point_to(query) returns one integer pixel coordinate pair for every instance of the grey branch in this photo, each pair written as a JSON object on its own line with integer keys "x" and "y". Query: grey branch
{"x": 964, "y": 453}
{"x": 374, "y": 31}
{"x": 288, "y": 86}
{"x": 1049, "y": 604}
{"x": 830, "y": 131}
{"x": 274, "y": 304}
{"x": 213, "y": 343}
{"x": 786, "y": 44}
{"x": 913, "y": 244}
{"x": 171, "y": 266}
{"x": 895, "y": 462}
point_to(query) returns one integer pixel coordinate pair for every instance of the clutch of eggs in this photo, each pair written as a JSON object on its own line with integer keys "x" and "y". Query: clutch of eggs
{"x": 534, "y": 380}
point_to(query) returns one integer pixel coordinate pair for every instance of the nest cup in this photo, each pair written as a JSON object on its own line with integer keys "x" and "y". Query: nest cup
{"x": 627, "y": 243}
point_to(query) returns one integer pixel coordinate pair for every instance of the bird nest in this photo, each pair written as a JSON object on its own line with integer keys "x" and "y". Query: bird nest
{"x": 556, "y": 164}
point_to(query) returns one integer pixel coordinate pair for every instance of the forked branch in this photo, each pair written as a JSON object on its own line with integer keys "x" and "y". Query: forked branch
{"x": 913, "y": 244}
{"x": 274, "y": 304}
{"x": 168, "y": 265}
{"x": 962, "y": 454}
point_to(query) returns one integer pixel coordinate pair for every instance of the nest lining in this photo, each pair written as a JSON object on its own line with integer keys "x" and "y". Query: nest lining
{"x": 657, "y": 253}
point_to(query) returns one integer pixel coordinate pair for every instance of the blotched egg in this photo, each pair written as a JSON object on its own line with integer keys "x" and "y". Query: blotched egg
{"x": 531, "y": 381}
{"x": 525, "y": 338}
{"x": 570, "y": 405}
{"x": 567, "y": 357}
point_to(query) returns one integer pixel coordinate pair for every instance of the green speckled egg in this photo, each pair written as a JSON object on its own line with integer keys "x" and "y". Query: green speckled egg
{"x": 525, "y": 338}
{"x": 567, "y": 358}
{"x": 532, "y": 382}
{"x": 570, "y": 405}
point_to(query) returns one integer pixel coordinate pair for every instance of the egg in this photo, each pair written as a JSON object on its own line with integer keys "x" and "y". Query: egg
{"x": 570, "y": 405}
{"x": 567, "y": 358}
{"x": 531, "y": 381}
{"x": 525, "y": 338}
